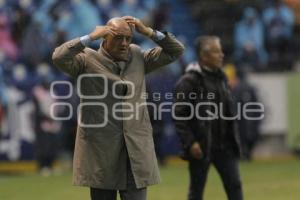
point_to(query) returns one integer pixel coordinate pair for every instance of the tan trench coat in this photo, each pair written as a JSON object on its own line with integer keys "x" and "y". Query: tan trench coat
{"x": 100, "y": 158}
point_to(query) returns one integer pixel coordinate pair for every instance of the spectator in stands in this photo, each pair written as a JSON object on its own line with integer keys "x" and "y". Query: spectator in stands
{"x": 81, "y": 17}
{"x": 47, "y": 129}
{"x": 249, "y": 41}
{"x": 7, "y": 45}
{"x": 35, "y": 46}
{"x": 129, "y": 7}
{"x": 279, "y": 21}
{"x": 105, "y": 8}
{"x": 161, "y": 16}
{"x": 3, "y": 99}
{"x": 243, "y": 93}
{"x": 20, "y": 17}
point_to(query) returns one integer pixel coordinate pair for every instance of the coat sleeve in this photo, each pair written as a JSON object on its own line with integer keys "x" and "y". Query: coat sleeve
{"x": 169, "y": 50}
{"x": 183, "y": 127}
{"x": 69, "y": 57}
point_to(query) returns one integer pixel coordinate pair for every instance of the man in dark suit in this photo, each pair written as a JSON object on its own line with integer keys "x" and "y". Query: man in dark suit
{"x": 203, "y": 101}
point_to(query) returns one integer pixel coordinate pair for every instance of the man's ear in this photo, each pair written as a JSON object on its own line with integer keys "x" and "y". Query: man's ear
{"x": 105, "y": 38}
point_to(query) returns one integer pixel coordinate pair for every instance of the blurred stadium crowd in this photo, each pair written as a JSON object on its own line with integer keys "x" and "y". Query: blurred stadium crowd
{"x": 257, "y": 36}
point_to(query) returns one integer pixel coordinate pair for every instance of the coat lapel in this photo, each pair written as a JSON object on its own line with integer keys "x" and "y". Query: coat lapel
{"x": 107, "y": 61}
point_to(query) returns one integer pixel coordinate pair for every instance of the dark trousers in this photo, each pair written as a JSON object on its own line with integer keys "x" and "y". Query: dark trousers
{"x": 131, "y": 193}
{"x": 227, "y": 166}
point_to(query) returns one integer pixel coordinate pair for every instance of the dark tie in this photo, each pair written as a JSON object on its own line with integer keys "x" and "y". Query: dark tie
{"x": 120, "y": 67}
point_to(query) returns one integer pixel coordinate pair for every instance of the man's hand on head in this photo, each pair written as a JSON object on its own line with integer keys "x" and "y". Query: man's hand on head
{"x": 102, "y": 31}
{"x": 138, "y": 25}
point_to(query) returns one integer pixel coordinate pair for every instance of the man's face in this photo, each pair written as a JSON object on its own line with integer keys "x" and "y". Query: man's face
{"x": 212, "y": 55}
{"x": 118, "y": 45}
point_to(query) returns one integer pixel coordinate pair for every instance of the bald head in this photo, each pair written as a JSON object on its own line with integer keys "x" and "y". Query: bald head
{"x": 117, "y": 45}
{"x": 119, "y": 24}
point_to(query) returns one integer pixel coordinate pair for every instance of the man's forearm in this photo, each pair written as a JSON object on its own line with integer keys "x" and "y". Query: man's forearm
{"x": 65, "y": 57}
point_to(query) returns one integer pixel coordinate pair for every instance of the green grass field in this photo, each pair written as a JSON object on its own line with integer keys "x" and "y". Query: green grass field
{"x": 262, "y": 180}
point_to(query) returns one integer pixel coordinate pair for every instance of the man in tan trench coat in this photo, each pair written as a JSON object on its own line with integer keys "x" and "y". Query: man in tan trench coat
{"x": 114, "y": 146}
